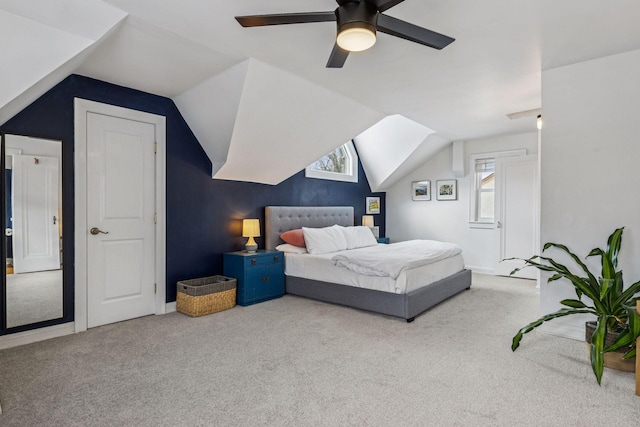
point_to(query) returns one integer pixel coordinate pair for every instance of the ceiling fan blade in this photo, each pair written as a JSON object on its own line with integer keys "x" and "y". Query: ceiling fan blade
{"x": 338, "y": 57}
{"x": 407, "y": 31}
{"x": 383, "y": 5}
{"x": 285, "y": 18}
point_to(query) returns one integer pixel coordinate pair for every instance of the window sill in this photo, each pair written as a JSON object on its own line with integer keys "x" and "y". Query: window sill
{"x": 487, "y": 225}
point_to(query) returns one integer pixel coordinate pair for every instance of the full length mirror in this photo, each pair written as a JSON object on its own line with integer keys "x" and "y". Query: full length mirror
{"x": 33, "y": 230}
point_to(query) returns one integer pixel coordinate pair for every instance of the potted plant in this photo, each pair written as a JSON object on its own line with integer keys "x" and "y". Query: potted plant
{"x": 613, "y": 306}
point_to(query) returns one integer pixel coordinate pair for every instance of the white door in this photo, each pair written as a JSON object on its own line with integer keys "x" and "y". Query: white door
{"x": 517, "y": 213}
{"x": 36, "y": 239}
{"x": 120, "y": 219}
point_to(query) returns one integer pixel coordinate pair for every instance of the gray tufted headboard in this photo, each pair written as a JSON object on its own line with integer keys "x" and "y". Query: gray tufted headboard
{"x": 279, "y": 219}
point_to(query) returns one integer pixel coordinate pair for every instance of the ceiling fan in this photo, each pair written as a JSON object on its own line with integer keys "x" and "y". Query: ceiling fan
{"x": 358, "y": 21}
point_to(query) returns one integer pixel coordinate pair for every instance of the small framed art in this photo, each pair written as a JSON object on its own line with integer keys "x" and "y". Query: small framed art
{"x": 373, "y": 205}
{"x": 421, "y": 190}
{"x": 447, "y": 189}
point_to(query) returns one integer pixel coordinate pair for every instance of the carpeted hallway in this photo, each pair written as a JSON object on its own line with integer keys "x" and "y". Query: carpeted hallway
{"x": 297, "y": 362}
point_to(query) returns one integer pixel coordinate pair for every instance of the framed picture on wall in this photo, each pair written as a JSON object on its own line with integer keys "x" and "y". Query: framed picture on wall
{"x": 373, "y": 205}
{"x": 421, "y": 190}
{"x": 447, "y": 189}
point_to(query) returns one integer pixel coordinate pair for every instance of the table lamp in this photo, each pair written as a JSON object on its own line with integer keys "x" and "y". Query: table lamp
{"x": 367, "y": 221}
{"x": 251, "y": 229}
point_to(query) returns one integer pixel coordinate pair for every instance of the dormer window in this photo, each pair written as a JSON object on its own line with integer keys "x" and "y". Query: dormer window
{"x": 339, "y": 165}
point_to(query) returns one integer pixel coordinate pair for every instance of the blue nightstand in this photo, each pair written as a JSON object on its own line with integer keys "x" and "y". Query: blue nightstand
{"x": 260, "y": 275}
{"x": 383, "y": 240}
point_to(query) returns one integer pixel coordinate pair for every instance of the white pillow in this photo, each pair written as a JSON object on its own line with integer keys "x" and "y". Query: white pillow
{"x": 359, "y": 237}
{"x": 287, "y": 248}
{"x": 324, "y": 240}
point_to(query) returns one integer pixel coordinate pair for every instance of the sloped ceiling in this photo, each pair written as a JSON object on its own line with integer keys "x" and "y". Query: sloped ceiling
{"x": 280, "y": 91}
{"x": 43, "y": 42}
{"x": 385, "y": 147}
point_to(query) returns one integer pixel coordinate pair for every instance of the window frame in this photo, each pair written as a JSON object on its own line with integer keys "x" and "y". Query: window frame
{"x": 351, "y": 176}
{"x": 479, "y": 190}
{"x": 474, "y": 220}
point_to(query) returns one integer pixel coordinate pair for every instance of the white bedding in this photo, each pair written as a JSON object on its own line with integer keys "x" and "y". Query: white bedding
{"x": 393, "y": 259}
{"x": 322, "y": 268}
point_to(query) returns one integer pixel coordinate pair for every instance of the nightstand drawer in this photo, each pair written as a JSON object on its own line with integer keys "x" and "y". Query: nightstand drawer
{"x": 262, "y": 259}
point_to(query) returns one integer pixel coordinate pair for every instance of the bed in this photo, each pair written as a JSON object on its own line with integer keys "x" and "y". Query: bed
{"x": 417, "y": 298}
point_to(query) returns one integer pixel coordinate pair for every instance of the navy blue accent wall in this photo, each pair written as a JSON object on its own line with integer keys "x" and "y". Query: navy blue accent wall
{"x": 203, "y": 215}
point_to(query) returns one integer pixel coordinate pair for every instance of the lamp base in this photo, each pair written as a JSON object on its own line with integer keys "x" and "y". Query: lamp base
{"x": 251, "y": 245}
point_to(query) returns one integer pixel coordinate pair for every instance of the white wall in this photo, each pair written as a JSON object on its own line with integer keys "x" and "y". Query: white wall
{"x": 449, "y": 220}
{"x": 590, "y": 175}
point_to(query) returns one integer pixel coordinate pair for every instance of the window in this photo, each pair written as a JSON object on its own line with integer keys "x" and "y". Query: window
{"x": 339, "y": 165}
{"x": 485, "y": 180}
{"x": 484, "y": 184}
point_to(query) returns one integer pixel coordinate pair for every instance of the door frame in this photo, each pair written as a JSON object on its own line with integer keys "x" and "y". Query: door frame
{"x": 81, "y": 108}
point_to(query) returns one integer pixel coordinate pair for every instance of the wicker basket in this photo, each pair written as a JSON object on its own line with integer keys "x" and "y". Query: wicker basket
{"x": 207, "y": 295}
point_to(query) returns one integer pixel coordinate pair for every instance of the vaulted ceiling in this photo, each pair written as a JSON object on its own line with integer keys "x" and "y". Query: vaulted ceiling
{"x": 263, "y": 95}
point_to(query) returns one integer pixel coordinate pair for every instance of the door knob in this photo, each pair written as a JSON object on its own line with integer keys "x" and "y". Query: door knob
{"x": 96, "y": 230}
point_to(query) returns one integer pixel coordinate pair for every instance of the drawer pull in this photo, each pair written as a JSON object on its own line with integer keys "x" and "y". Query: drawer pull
{"x": 264, "y": 279}
{"x": 253, "y": 260}
{"x": 275, "y": 258}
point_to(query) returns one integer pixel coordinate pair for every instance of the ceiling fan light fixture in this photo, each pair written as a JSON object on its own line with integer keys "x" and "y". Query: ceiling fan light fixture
{"x": 356, "y": 39}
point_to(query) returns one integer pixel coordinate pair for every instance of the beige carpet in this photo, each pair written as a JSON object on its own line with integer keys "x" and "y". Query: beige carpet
{"x": 297, "y": 362}
{"x": 34, "y": 297}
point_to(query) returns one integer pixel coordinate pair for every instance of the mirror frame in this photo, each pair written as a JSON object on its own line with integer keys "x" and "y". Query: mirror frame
{"x": 67, "y": 303}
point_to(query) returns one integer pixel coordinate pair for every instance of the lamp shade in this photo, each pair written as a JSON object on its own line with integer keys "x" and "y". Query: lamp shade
{"x": 250, "y": 228}
{"x": 367, "y": 220}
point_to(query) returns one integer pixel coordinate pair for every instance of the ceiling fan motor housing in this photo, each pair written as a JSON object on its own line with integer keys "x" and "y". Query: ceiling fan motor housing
{"x": 357, "y": 14}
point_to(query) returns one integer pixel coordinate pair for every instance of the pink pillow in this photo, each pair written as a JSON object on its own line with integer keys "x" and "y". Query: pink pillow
{"x": 294, "y": 237}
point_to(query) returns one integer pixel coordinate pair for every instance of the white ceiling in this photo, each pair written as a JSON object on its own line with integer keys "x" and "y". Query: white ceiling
{"x": 461, "y": 92}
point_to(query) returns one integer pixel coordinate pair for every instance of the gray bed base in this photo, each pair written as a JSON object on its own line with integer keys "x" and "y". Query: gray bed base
{"x": 406, "y": 306}
{"x": 279, "y": 219}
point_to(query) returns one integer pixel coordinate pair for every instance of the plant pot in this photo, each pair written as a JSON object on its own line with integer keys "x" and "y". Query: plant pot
{"x": 612, "y": 359}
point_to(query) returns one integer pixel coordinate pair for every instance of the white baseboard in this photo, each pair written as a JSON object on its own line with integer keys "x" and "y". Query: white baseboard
{"x": 481, "y": 270}
{"x": 565, "y": 330}
{"x": 41, "y": 334}
{"x": 170, "y": 307}
{"x": 35, "y": 335}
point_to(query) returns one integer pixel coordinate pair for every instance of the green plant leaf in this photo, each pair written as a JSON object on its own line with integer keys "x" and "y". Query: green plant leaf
{"x": 624, "y": 339}
{"x": 597, "y": 347}
{"x": 630, "y": 354}
{"x": 531, "y": 326}
{"x": 577, "y": 260}
{"x": 613, "y": 246}
{"x": 573, "y": 303}
{"x": 628, "y": 295}
{"x": 608, "y": 270}
{"x": 605, "y": 286}
{"x": 587, "y": 285}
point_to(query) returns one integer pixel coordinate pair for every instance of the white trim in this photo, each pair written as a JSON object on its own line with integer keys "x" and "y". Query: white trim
{"x": 565, "y": 330}
{"x": 35, "y": 335}
{"x": 472, "y": 181}
{"x": 352, "y": 176}
{"x": 482, "y": 270}
{"x": 479, "y": 224}
{"x": 81, "y": 108}
{"x": 170, "y": 307}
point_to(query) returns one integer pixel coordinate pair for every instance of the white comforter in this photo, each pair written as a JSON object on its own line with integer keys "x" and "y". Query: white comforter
{"x": 391, "y": 260}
